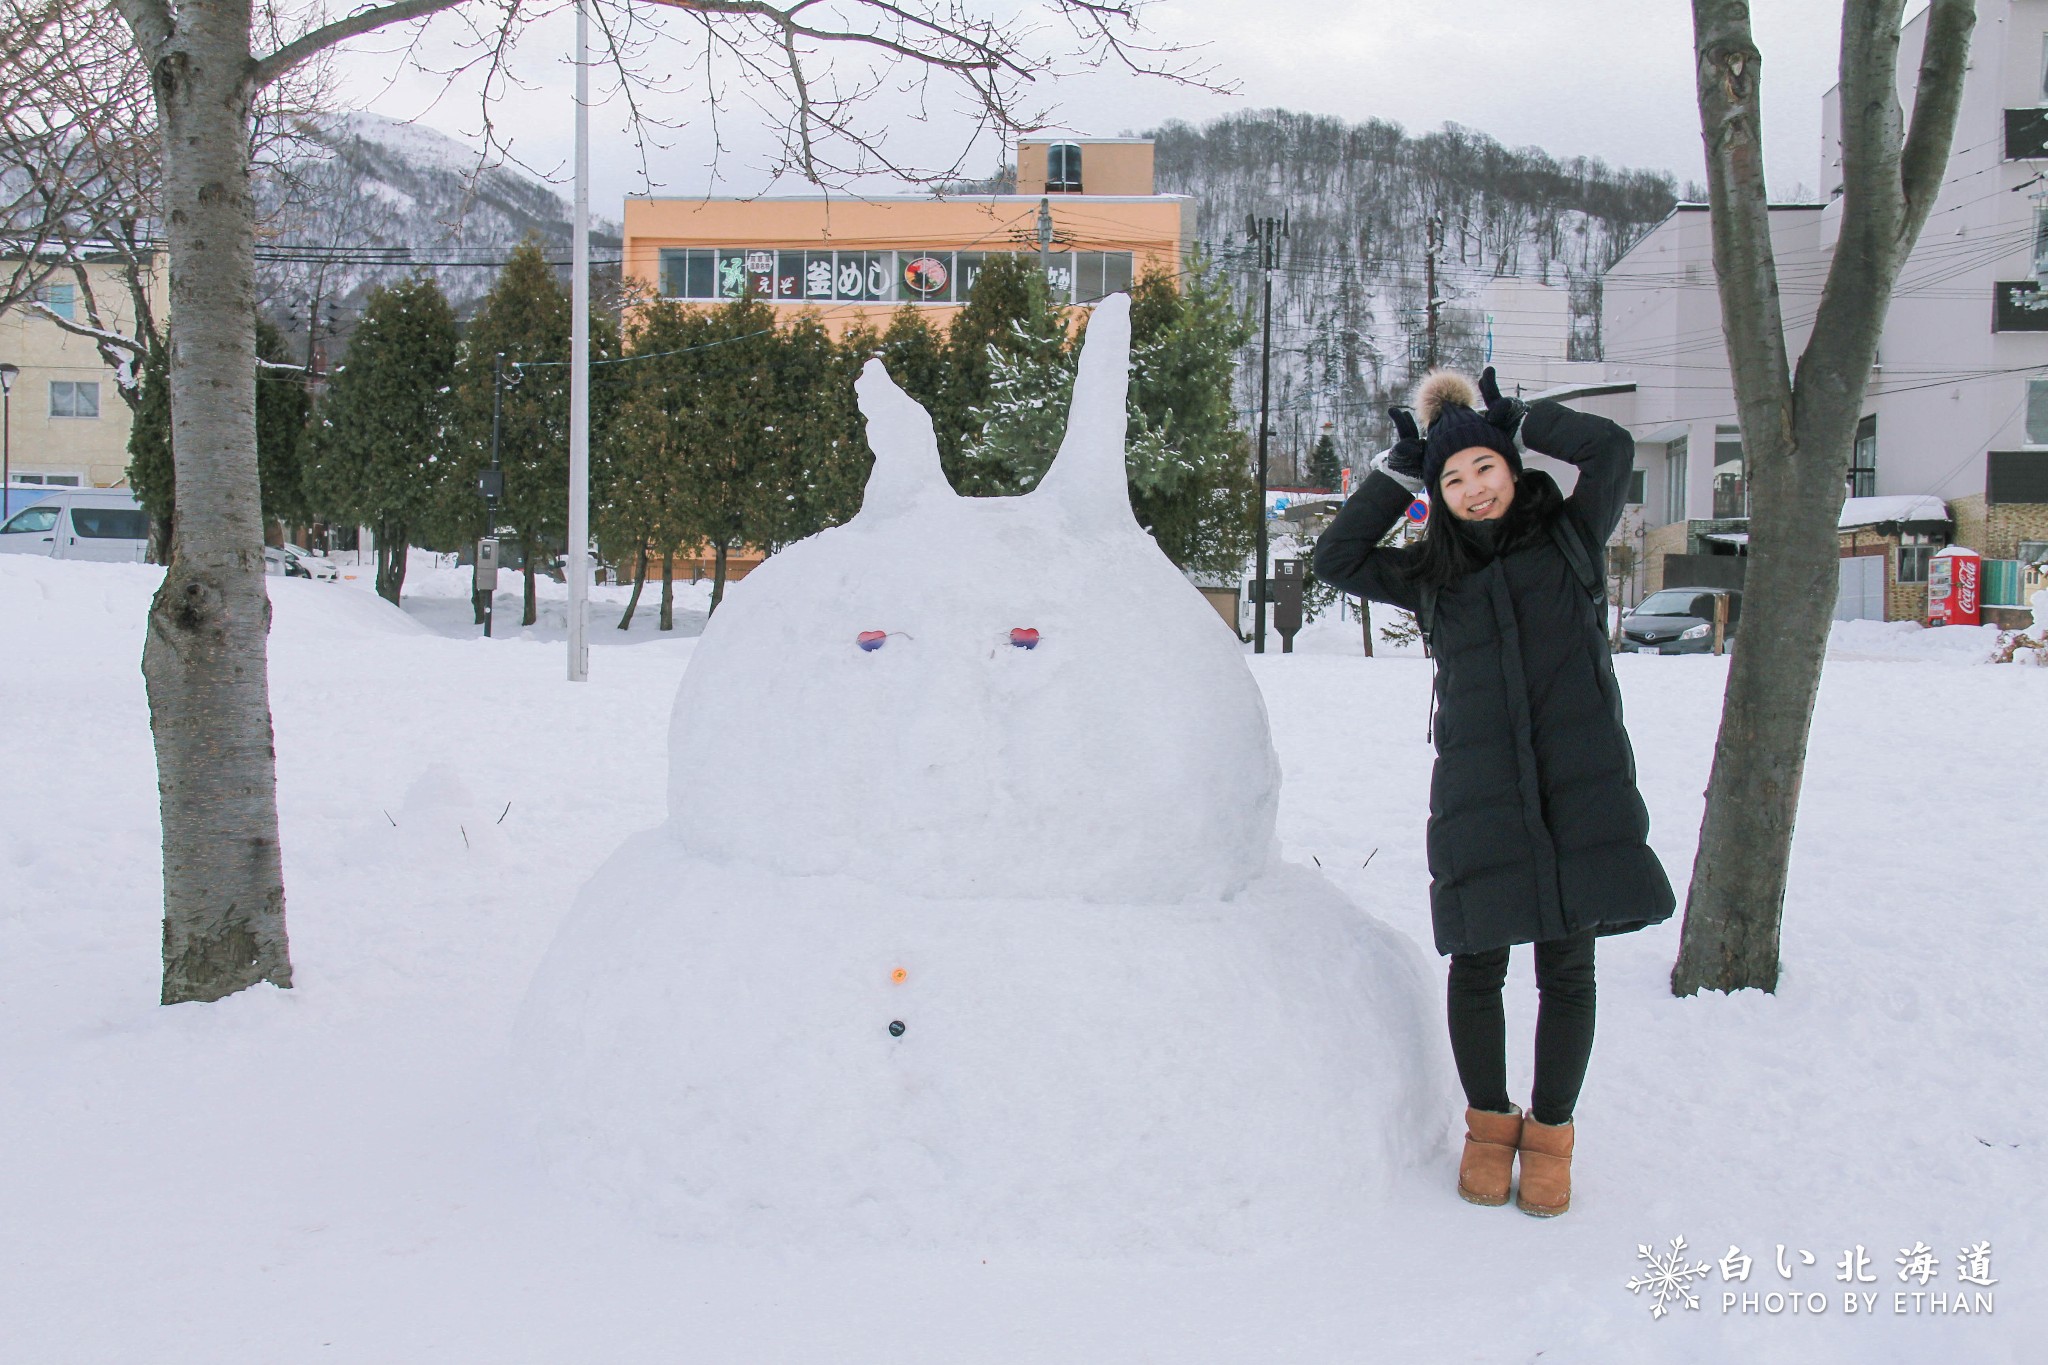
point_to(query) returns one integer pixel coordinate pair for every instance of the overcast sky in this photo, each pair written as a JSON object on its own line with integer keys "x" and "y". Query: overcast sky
{"x": 1605, "y": 78}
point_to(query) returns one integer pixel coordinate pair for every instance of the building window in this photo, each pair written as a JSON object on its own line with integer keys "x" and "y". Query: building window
{"x": 74, "y": 398}
{"x": 1674, "y": 480}
{"x": 2033, "y": 551}
{"x": 2015, "y": 476}
{"x": 1731, "y": 491}
{"x": 1863, "y": 460}
{"x": 1636, "y": 479}
{"x": 1063, "y": 168}
{"x": 1915, "y": 549}
{"x": 49, "y": 480}
{"x": 61, "y": 299}
{"x": 2037, "y": 412}
{"x": 1098, "y": 274}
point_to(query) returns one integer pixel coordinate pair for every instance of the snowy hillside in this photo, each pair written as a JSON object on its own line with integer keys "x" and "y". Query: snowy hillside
{"x": 327, "y": 1173}
{"x": 375, "y": 199}
{"x": 1349, "y": 292}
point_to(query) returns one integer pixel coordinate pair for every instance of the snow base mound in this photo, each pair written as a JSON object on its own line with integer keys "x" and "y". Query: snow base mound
{"x": 968, "y": 926}
{"x": 711, "y": 1049}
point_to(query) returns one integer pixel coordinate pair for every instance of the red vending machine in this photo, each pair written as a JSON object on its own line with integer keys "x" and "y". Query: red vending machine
{"x": 1954, "y": 587}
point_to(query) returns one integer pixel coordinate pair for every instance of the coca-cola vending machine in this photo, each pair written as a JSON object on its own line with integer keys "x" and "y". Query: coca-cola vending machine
{"x": 1955, "y": 579}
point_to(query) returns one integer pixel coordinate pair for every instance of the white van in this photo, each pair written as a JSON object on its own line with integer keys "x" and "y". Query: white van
{"x": 78, "y": 523}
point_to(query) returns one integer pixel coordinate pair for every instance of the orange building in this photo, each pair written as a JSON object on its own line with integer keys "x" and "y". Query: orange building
{"x": 861, "y": 259}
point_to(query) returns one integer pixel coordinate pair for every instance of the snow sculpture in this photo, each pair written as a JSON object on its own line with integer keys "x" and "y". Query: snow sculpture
{"x": 969, "y": 926}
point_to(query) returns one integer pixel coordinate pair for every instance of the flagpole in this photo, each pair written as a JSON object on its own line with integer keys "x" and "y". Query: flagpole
{"x": 579, "y": 371}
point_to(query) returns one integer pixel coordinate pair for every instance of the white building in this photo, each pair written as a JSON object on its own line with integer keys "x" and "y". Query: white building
{"x": 1958, "y": 403}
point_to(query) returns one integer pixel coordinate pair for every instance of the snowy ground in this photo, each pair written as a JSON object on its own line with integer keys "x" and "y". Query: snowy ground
{"x": 325, "y": 1173}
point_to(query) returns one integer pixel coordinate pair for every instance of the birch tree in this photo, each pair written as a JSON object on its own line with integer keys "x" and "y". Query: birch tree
{"x": 1798, "y": 427}
{"x": 208, "y": 62}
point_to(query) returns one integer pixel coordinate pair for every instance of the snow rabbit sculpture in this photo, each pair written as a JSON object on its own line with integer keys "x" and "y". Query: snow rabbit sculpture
{"x": 968, "y": 925}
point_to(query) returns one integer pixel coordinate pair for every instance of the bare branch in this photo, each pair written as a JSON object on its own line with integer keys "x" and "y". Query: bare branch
{"x": 268, "y": 69}
{"x": 1936, "y": 102}
{"x": 90, "y": 333}
{"x": 150, "y": 22}
{"x": 1731, "y": 118}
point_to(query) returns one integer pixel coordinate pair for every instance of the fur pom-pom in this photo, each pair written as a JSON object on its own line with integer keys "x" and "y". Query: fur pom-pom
{"x": 1442, "y": 389}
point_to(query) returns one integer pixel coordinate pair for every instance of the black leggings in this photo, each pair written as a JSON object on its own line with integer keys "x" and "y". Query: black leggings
{"x": 1564, "y": 1026}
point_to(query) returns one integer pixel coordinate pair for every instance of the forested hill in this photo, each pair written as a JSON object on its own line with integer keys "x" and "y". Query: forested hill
{"x": 373, "y": 199}
{"x": 1349, "y": 295}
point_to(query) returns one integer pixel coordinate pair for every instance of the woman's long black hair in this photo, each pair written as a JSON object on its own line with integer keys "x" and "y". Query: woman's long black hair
{"x": 1450, "y": 549}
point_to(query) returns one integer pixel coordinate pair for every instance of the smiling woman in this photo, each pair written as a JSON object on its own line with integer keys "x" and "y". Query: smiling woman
{"x": 1537, "y": 833}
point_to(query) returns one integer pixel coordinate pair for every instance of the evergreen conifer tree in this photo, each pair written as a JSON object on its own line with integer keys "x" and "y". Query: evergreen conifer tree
{"x": 525, "y": 318}
{"x": 1007, "y": 318}
{"x": 1325, "y": 471}
{"x": 281, "y": 420}
{"x": 382, "y": 446}
{"x": 636, "y": 508}
{"x": 1190, "y": 479}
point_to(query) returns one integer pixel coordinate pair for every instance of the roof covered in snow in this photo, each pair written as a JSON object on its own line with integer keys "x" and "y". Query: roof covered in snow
{"x": 1892, "y": 507}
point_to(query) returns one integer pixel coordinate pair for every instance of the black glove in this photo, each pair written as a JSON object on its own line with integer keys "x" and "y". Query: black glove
{"x": 1505, "y": 413}
{"x": 1405, "y": 458}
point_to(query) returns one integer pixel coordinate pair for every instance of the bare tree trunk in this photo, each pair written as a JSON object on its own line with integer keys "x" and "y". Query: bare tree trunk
{"x": 528, "y": 614}
{"x": 1797, "y": 437}
{"x": 391, "y": 555}
{"x": 205, "y": 659}
{"x": 668, "y": 589}
{"x": 639, "y": 582}
{"x": 1365, "y": 622}
{"x": 717, "y": 576}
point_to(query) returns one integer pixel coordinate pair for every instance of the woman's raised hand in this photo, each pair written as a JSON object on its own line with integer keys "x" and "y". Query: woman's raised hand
{"x": 1505, "y": 413}
{"x": 1405, "y": 458}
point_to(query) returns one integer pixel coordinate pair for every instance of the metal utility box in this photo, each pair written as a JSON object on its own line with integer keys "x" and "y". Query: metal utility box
{"x": 1286, "y": 588}
{"x": 487, "y": 564}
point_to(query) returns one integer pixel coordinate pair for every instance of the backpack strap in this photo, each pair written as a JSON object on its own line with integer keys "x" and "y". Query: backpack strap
{"x": 1574, "y": 549}
{"x": 1425, "y": 617}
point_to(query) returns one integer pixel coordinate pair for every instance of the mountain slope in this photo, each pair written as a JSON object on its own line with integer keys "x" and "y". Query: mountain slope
{"x": 373, "y": 199}
{"x": 1363, "y": 204}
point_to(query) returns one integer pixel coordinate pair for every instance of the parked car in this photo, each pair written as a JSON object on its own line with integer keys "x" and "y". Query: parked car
{"x": 290, "y": 561}
{"x": 1678, "y": 621}
{"x": 80, "y": 523}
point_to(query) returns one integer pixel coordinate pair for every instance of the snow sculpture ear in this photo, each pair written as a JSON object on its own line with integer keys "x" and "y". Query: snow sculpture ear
{"x": 906, "y": 448}
{"x": 1087, "y": 476}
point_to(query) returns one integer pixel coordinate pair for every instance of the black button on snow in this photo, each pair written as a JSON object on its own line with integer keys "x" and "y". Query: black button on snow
{"x": 895, "y": 1028}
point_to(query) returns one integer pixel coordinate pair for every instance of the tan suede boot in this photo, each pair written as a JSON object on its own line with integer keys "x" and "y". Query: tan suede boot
{"x": 1546, "y": 1186}
{"x": 1489, "y": 1159}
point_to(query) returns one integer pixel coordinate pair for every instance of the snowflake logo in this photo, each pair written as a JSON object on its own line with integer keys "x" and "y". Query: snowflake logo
{"x": 1668, "y": 1278}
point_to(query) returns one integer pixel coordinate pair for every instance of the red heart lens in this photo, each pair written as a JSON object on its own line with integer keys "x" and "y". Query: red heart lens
{"x": 1024, "y": 637}
{"x": 871, "y": 640}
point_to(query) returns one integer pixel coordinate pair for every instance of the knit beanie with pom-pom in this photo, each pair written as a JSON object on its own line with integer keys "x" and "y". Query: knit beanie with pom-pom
{"x": 1447, "y": 406}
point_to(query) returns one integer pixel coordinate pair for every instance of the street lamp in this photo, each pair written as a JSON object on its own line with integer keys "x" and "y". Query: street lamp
{"x": 7, "y": 377}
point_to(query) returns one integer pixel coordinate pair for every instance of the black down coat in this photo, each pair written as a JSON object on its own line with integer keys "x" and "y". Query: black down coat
{"x": 1536, "y": 829}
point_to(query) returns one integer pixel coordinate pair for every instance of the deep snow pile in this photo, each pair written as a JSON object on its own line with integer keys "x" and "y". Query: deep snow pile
{"x": 325, "y": 1173}
{"x": 968, "y": 927}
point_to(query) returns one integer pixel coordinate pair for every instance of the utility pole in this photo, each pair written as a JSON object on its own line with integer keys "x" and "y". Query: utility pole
{"x": 1435, "y": 236}
{"x": 1265, "y": 233}
{"x": 493, "y": 481}
{"x": 1045, "y": 245}
{"x": 578, "y": 568}
{"x": 7, "y": 376}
